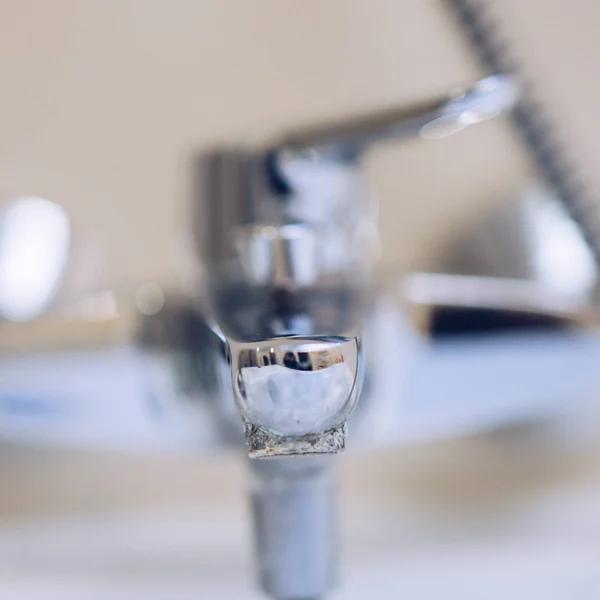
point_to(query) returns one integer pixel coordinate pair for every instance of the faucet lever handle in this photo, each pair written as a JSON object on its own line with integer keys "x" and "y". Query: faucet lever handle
{"x": 464, "y": 106}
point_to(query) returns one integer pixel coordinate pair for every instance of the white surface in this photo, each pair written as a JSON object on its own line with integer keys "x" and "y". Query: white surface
{"x": 298, "y": 402}
{"x": 488, "y": 518}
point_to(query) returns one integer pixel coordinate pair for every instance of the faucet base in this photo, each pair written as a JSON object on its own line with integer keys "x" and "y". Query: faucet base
{"x": 263, "y": 443}
{"x": 295, "y": 526}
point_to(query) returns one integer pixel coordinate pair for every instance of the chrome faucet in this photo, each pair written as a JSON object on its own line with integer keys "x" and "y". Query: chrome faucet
{"x": 277, "y": 352}
{"x": 288, "y": 243}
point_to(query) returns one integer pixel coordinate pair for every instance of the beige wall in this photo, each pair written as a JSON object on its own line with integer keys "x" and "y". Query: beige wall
{"x": 104, "y": 101}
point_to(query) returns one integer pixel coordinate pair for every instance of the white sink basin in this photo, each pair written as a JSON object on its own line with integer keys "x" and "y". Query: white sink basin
{"x": 490, "y": 518}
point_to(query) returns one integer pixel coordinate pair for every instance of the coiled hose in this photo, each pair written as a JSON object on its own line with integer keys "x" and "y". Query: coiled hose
{"x": 487, "y": 37}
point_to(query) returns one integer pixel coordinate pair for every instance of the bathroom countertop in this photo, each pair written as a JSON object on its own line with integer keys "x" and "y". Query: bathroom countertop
{"x": 510, "y": 514}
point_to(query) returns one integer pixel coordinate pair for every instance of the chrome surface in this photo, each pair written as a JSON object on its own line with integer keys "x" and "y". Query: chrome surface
{"x": 511, "y": 295}
{"x": 295, "y": 392}
{"x": 294, "y": 514}
{"x": 289, "y": 241}
{"x": 273, "y": 210}
{"x": 135, "y": 370}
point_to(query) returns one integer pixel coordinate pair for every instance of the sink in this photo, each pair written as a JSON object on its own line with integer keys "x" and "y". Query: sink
{"x": 492, "y": 516}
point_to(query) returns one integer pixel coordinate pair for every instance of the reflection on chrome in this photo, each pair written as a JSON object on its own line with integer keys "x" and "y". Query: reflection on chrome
{"x": 439, "y": 289}
{"x": 560, "y": 257}
{"x": 294, "y": 387}
{"x": 487, "y": 99}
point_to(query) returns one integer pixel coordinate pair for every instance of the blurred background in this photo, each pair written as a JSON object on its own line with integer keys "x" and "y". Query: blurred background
{"x": 104, "y": 107}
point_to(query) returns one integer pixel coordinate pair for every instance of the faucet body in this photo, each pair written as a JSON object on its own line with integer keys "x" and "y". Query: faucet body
{"x": 288, "y": 243}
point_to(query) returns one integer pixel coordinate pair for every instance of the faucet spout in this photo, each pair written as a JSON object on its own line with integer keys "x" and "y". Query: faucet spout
{"x": 295, "y": 393}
